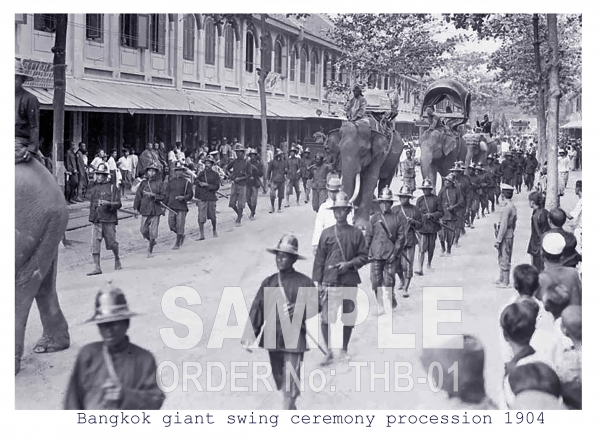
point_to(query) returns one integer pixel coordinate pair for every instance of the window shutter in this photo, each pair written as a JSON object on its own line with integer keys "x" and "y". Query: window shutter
{"x": 161, "y": 33}
{"x": 21, "y": 18}
{"x": 143, "y": 31}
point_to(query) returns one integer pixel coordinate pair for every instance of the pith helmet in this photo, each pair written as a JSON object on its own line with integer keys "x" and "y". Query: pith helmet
{"x": 240, "y": 148}
{"x": 211, "y": 159}
{"x": 341, "y": 201}
{"x": 451, "y": 178}
{"x": 386, "y": 195}
{"x": 426, "y": 184}
{"x": 20, "y": 70}
{"x": 357, "y": 87}
{"x": 506, "y": 187}
{"x": 179, "y": 166}
{"x": 288, "y": 244}
{"x": 334, "y": 184}
{"x": 102, "y": 169}
{"x": 458, "y": 167}
{"x": 293, "y": 149}
{"x": 153, "y": 165}
{"x": 306, "y": 151}
{"x": 253, "y": 151}
{"x": 278, "y": 152}
{"x": 111, "y": 305}
{"x": 405, "y": 192}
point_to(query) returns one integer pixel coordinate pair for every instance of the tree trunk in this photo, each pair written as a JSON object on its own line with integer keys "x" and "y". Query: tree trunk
{"x": 552, "y": 200}
{"x": 541, "y": 111}
{"x": 262, "y": 76}
{"x": 58, "y": 101}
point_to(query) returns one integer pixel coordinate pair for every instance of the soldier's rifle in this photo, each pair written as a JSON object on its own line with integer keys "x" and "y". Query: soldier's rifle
{"x": 389, "y": 236}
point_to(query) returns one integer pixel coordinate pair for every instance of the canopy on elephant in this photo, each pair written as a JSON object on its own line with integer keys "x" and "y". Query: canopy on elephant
{"x": 451, "y": 90}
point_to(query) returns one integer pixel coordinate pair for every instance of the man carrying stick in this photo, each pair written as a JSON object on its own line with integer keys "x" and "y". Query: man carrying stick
{"x": 283, "y": 291}
{"x": 431, "y": 209}
{"x": 149, "y": 203}
{"x": 207, "y": 185}
{"x": 179, "y": 192}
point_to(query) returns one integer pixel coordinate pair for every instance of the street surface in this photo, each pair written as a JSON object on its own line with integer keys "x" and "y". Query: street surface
{"x": 238, "y": 258}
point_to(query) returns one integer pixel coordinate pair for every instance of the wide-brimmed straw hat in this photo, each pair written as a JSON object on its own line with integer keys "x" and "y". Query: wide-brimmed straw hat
{"x": 386, "y": 195}
{"x": 405, "y": 192}
{"x": 334, "y": 184}
{"x": 110, "y": 305}
{"x": 288, "y": 244}
{"x": 341, "y": 201}
{"x": 102, "y": 169}
{"x": 426, "y": 184}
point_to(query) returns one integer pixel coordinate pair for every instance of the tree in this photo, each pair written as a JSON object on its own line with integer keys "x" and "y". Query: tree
{"x": 58, "y": 100}
{"x": 554, "y": 95}
{"x": 541, "y": 113}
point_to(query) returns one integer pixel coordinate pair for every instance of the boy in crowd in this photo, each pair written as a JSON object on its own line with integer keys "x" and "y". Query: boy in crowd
{"x": 535, "y": 387}
{"x": 567, "y": 353}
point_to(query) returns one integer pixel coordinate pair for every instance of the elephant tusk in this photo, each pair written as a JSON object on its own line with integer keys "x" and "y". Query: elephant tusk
{"x": 356, "y": 188}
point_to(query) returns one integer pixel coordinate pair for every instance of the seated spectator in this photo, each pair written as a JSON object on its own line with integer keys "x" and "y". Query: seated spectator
{"x": 471, "y": 392}
{"x": 557, "y": 219}
{"x": 555, "y": 273}
{"x": 567, "y": 354}
{"x": 535, "y": 387}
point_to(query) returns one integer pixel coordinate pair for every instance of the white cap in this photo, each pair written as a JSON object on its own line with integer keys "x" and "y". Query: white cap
{"x": 553, "y": 243}
{"x": 506, "y": 187}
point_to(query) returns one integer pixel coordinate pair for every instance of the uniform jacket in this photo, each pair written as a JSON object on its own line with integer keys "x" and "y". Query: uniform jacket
{"x": 326, "y": 219}
{"x": 27, "y": 118}
{"x": 451, "y": 201}
{"x": 135, "y": 369}
{"x": 432, "y": 205}
{"x": 104, "y": 213}
{"x": 408, "y": 214}
{"x": 256, "y": 173}
{"x": 463, "y": 184}
{"x": 381, "y": 245}
{"x": 508, "y": 168}
{"x": 240, "y": 171}
{"x": 306, "y": 171}
{"x": 276, "y": 171}
{"x": 320, "y": 175}
{"x": 539, "y": 226}
{"x": 293, "y": 168}
{"x": 214, "y": 182}
{"x": 297, "y": 288}
{"x": 531, "y": 165}
{"x": 349, "y": 246}
{"x": 507, "y": 222}
{"x": 146, "y": 205}
{"x": 179, "y": 187}
{"x": 491, "y": 170}
{"x": 71, "y": 162}
{"x": 408, "y": 168}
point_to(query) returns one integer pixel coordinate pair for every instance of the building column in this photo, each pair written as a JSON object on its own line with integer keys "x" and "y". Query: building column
{"x": 287, "y": 132}
{"x": 77, "y": 124}
{"x": 242, "y": 135}
{"x": 178, "y": 128}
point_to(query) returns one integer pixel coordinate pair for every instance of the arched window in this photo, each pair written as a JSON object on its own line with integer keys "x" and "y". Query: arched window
{"x": 278, "y": 57}
{"x": 158, "y": 31}
{"x": 293, "y": 65}
{"x": 326, "y": 69}
{"x": 313, "y": 68}
{"x": 249, "y": 52}
{"x": 210, "y": 41}
{"x": 229, "y": 46}
{"x": 268, "y": 54}
{"x": 189, "y": 37}
{"x": 303, "y": 61}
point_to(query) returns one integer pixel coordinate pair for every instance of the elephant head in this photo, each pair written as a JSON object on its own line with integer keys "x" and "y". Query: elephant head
{"x": 361, "y": 153}
{"x": 477, "y": 147}
{"x": 439, "y": 151}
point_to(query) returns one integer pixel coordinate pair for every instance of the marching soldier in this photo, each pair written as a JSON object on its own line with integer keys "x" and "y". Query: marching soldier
{"x": 325, "y": 217}
{"x": 412, "y": 220}
{"x": 179, "y": 193}
{"x": 276, "y": 178}
{"x": 341, "y": 252}
{"x": 408, "y": 171}
{"x": 293, "y": 176}
{"x": 385, "y": 239}
{"x": 431, "y": 209}
{"x": 254, "y": 183}
{"x": 504, "y": 230}
{"x": 207, "y": 184}
{"x": 498, "y": 177}
{"x": 320, "y": 172}
{"x": 290, "y": 286}
{"x": 306, "y": 173}
{"x": 149, "y": 202}
{"x": 451, "y": 200}
{"x": 508, "y": 169}
{"x": 520, "y": 170}
{"x": 485, "y": 184}
{"x": 239, "y": 171}
{"x": 473, "y": 201}
{"x": 464, "y": 187}
{"x": 115, "y": 373}
{"x": 105, "y": 200}
{"x": 490, "y": 171}
{"x": 531, "y": 165}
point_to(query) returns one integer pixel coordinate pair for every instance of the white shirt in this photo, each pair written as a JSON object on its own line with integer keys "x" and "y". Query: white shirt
{"x": 124, "y": 163}
{"x": 111, "y": 163}
{"x": 173, "y": 156}
{"x": 133, "y": 159}
{"x": 269, "y": 155}
{"x": 96, "y": 161}
{"x": 576, "y": 214}
{"x": 563, "y": 164}
{"x": 326, "y": 219}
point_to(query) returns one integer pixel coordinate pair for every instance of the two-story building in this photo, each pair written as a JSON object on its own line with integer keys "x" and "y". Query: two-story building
{"x": 570, "y": 112}
{"x": 135, "y": 78}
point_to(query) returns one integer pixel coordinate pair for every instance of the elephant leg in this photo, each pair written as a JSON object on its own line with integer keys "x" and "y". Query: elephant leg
{"x": 369, "y": 180}
{"x": 55, "y": 335}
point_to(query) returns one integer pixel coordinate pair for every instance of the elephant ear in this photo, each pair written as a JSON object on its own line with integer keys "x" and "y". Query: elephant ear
{"x": 432, "y": 140}
{"x": 333, "y": 141}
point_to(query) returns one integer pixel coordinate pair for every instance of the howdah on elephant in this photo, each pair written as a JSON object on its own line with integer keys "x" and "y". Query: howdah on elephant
{"x": 479, "y": 146}
{"x": 40, "y": 222}
{"x": 367, "y": 158}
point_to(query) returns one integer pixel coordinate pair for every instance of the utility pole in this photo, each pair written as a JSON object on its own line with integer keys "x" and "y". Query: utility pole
{"x": 58, "y": 102}
{"x": 262, "y": 76}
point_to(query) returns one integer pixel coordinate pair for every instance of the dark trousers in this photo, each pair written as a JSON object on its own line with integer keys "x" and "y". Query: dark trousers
{"x": 71, "y": 187}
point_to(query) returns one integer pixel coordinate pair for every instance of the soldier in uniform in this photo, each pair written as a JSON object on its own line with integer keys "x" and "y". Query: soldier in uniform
{"x": 412, "y": 220}
{"x": 290, "y": 286}
{"x": 485, "y": 184}
{"x": 341, "y": 252}
{"x": 320, "y": 172}
{"x": 520, "y": 170}
{"x": 490, "y": 172}
{"x": 451, "y": 200}
{"x": 473, "y": 201}
{"x": 27, "y": 117}
{"x": 276, "y": 178}
{"x": 505, "y": 230}
{"x": 105, "y": 200}
{"x": 508, "y": 169}
{"x": 325, "y": 217}
{"x": 431, "y": 210}
{"x": 306, "y": 173}
{"x": 239, "y": 171}
{"x": 385, "y": 239}
{"x": 293, "y": 176}
{"x": 148, "y": 202}
{"x": 464, "y": 187}
{"x": 498, "y": 177}
{"x": 531, "y": 165}
{"x": 179, "y": 193}
{"x": 408, "y": 171}
{"x": 254, "y": 183}
{"x": 207, "y": 184}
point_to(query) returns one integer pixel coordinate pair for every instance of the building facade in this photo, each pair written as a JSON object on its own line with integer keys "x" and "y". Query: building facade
{"x": 138, "y": 78}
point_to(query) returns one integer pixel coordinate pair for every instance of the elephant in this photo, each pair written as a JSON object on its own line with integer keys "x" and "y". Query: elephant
{"x": 41, "y": 218}
{"x": 439, "y": 152}
{"x": 368, "y": 159}
{"x": 479, "y": 146}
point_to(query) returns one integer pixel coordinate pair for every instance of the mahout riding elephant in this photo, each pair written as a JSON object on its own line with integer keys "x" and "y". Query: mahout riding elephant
{"x": 479, "y": 146}
{"x": 367, "y": 158}
{"x": 41, "y": 218}
{"x": 439, "y": 151}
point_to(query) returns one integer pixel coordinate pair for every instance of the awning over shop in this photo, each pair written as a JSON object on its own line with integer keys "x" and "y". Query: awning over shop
{"x": 576, "y": 124}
